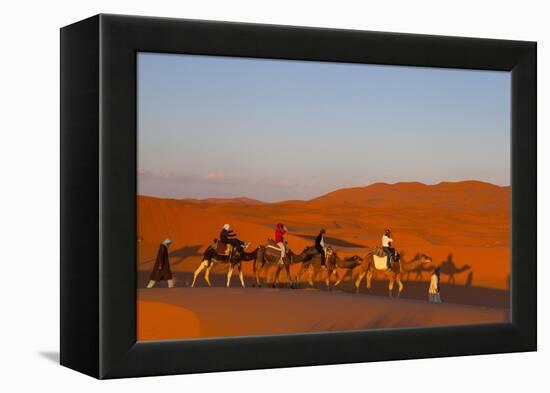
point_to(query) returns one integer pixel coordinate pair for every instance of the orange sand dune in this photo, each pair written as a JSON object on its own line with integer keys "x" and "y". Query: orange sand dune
{"x": 469, "y": 219}
{"x": 216, "y": 312}
{"x": 161, "y": 321}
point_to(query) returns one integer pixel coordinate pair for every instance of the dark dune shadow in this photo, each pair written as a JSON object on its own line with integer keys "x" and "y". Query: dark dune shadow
{"x": 332, "y": 241}
{"x": 179, "y": 255}
{"x": 415, "y": 290}
{"x": 52, "y": 356}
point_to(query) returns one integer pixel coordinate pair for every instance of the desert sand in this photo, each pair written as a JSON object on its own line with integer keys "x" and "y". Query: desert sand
{"x": 470, "y": 219}
{"x": 217, "y": 312}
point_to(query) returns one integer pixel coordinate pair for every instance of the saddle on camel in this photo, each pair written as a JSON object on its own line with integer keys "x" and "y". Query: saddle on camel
{"x": 222, "y": 248}
{"x": 383, "y": 260}
{"x": 275, "y": 248}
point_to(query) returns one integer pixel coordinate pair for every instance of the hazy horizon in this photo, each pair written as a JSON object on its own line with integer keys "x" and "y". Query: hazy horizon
{"x": 273, "y": 130}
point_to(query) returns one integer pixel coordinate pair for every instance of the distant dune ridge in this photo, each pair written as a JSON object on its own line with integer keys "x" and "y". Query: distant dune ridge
{"x": 237, "y": 200}
{"x": 469, "y": 219}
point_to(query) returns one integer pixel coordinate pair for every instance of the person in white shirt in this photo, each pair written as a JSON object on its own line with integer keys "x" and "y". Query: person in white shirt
{"x": 320, "y": 246}
{"x": 434, "y": 295}
{"x": 387, "y": 245}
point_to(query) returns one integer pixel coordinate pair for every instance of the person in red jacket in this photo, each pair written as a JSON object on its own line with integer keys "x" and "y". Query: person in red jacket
{"x": 280, "y": 232}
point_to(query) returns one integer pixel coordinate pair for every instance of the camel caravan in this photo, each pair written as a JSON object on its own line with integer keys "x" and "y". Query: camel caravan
{"x": 384, "y": 260}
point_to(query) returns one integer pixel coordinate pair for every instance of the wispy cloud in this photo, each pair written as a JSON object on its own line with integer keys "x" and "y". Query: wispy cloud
{"x": 219, "y": 184}
{"x": 185, "y": 178}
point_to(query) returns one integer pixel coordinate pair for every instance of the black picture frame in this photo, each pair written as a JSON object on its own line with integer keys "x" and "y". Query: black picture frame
{"x": 98, "y": 195}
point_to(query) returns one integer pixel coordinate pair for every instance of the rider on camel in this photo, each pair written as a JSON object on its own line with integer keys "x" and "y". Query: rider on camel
{"x": 280, "y": 231}
{"x": 387, "y": 246}
{"x": 227, "y": 236}
{"x": 320, "y": 246}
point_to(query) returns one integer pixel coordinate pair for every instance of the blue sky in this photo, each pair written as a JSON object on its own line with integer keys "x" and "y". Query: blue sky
{"x": 273, "y": 130}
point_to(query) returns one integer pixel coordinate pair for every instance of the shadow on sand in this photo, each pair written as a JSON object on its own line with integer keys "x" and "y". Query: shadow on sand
{"x": 417, "y": 290}
{"x": 179, "y": 255}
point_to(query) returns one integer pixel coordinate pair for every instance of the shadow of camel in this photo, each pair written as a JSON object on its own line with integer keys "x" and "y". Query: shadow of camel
{"x": 179, "y": 255}
{"x": 449, "y": 268}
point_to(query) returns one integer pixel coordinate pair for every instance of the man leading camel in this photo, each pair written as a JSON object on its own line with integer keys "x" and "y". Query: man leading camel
{"x": 161, "y": 270}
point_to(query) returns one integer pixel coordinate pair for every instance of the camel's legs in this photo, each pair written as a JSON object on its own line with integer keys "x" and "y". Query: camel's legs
{"x": 287, "y": 270}
{"x": 207, "y": 275}
{"x": 151, "y": 283}
{"x": 229, "y": 273}
{"x": 171, "y": 283}
{"x": 265, "y": 268}
{"x": 277, "y": 272}
{"x": 360, "y": 277}
{"x": 337, "y": 276}
{"x": 241, "y": 275}
{"x": 311, "y": 274}
{"x": 197, "y": 272}
{"x": 300, "y": 273}
{"x": 369, "y": 278}
{"x": 257, "y": 273}
{"x": 298, "y": 276}
{"x": 400, "y": 285}
{"x": 270, "y": 275}
{"x": 340, "y": 278}
{"x": 390, "y": 286}
{"x": 327, "y": 281}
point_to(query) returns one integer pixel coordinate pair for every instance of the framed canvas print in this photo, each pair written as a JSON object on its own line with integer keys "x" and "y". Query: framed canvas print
{"x": 239, "y": 196}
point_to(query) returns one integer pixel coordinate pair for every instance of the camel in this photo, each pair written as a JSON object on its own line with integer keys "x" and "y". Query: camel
{"x": 210, "y": 257}
{"x": 348, "y": 264}
{"x": 311, "y": 262}
{"x": 449, "y": 268}
{"x": 270, "y": 255}
{"x": 395, "y": 273}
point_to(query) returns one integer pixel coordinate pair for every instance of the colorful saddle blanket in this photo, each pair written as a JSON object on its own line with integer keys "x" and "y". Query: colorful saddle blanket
{"x": 223, "y": 249}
